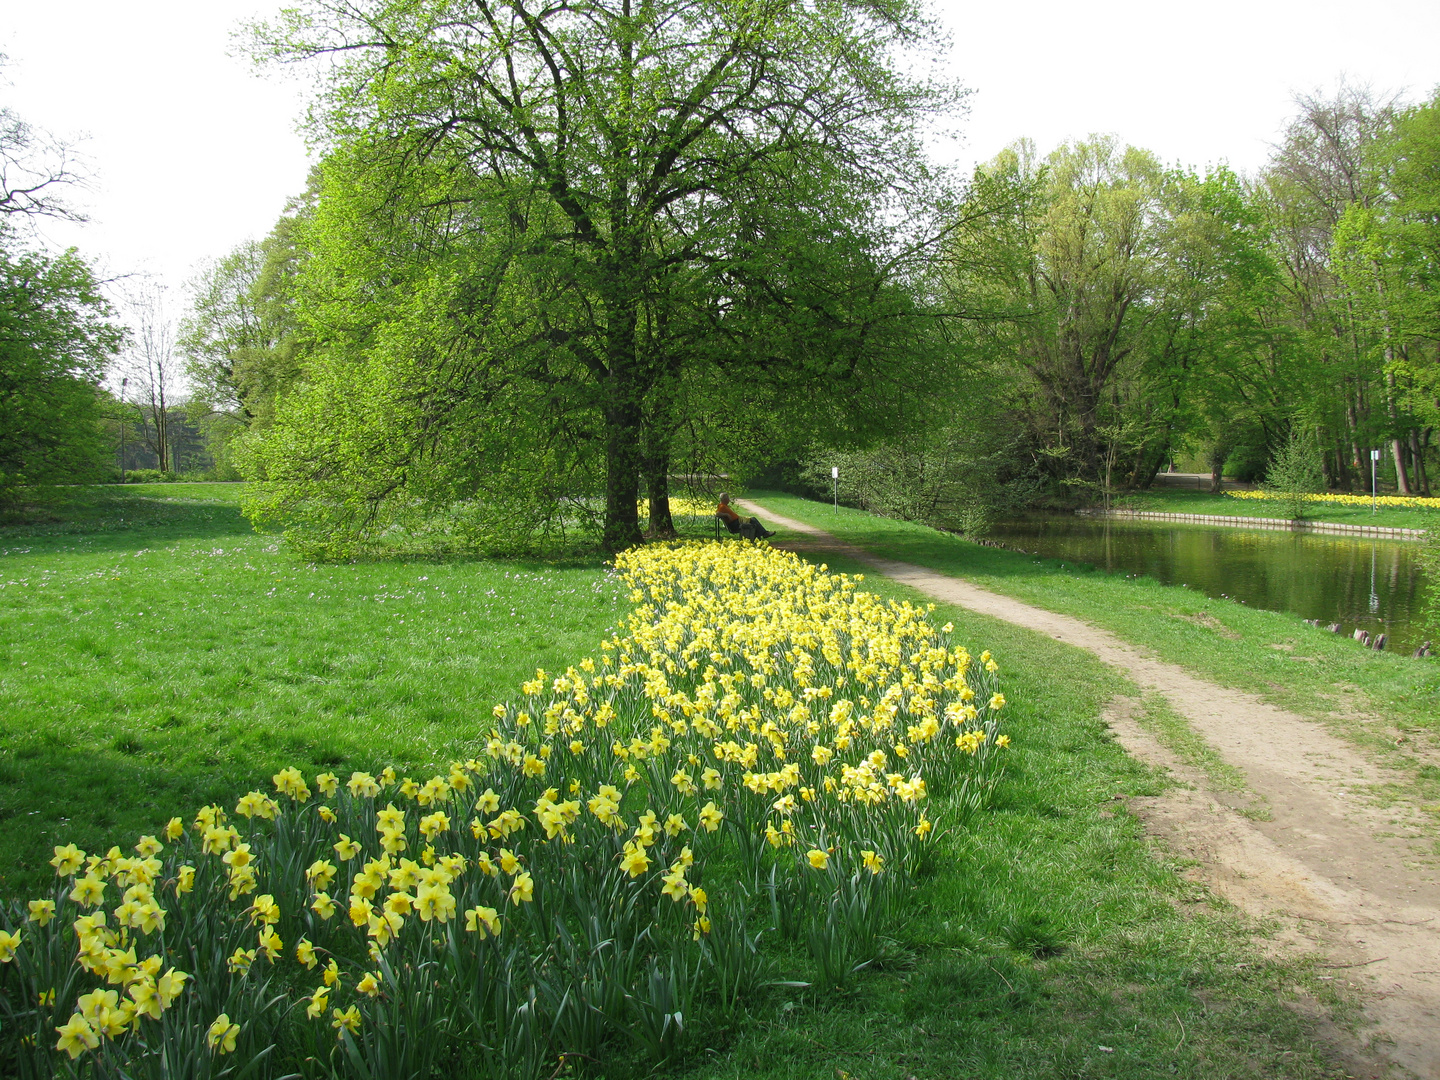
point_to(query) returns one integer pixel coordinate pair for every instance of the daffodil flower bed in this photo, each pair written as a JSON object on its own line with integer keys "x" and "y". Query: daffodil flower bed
{"x": 687, "y": 506}
{"x": 764, "y": 739}
{"x": 1402, "y": 502}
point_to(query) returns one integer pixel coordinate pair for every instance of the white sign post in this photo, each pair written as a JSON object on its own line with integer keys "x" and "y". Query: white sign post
{"x": 1374, "y": 463}
{"x": 835, "y": 479}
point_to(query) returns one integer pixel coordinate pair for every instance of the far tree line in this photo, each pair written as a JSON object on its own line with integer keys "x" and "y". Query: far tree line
{"x": 551, "y": 259}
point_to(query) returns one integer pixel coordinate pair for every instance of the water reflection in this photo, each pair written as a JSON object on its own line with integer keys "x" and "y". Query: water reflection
{"x": 1357, "y": 582}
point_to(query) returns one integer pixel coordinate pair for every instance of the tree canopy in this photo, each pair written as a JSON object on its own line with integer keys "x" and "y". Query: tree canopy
{"x": 56, "y": 338}
{"x": 590, "y": 236}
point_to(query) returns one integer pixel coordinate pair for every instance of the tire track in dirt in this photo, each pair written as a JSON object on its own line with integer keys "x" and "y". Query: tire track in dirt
{"x": 1330, "y": 864}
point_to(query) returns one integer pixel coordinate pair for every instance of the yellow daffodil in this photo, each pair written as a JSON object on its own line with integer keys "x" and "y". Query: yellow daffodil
{"x": 88, "y": 891}
{"x": 346, "y": 849}
{"x": 240, "y": 960}
{"x": 221, "y": 1036}
{"x": 319, "y": 1002}
{"x": 349, "y": 1020}
{"x": 522, "y": 889}
{"x": 68, "y": 860}
{"x": 305, "y": 953}
{"x": 77, "y": 1036}
{"x": 42, "y": 911}
{"x": 478, "y": 920}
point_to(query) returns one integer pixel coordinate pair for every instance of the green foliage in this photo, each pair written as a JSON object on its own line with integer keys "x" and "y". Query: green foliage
{"x": 674, "y": 241}
{"x": 241, "y": 340}
{"x": 954, "y": 467}
{"x": 1092, "y": 288}
{"x": 55, "y": 340}
{"x": 1294, "y": 472}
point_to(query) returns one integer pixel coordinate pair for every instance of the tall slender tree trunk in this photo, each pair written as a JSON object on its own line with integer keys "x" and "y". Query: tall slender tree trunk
{"x": 1397, "y": 445}
{"x": 657, "y": 486}
{"x": 1325, "y": 471}
{"x": 1417, "y": 457}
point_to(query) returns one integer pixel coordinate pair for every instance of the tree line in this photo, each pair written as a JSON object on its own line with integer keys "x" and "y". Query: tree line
{"x": 553, "y": 257}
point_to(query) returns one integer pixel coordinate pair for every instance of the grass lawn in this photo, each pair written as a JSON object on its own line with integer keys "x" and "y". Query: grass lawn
{"x": 1172, "y": 501}
{"x": 152, "y": 664}
{"x": 156, "y": 653}
{"x": 1273, "y": 654}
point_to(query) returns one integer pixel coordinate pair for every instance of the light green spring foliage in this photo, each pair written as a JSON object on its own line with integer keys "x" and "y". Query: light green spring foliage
{"x": 676, "y": 229}
{"x": 1387, "y": 254}
{"x": 56, "y": 338}
{"x": 426, "y": 411}
{"x": 1094, "y": 283}
{"x": 1294, "y": 472}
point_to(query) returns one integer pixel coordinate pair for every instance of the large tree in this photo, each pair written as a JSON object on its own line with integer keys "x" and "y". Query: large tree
{"x": 56, "y": 337}
{"x": 1090, "y": 285}
{"x": 640, "y": 164}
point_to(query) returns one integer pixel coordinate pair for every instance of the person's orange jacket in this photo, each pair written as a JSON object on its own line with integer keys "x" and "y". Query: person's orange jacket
{"x": 724, "y": 510}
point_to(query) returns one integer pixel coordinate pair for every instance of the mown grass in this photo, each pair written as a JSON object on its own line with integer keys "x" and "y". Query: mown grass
{"x": 1384, "y": 701}
{"x": 177, "y": 658}
{"x": 1179, "y": 501}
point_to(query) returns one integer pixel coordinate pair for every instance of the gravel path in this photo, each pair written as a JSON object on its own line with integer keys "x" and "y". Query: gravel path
{"x": 1343, "y": 875}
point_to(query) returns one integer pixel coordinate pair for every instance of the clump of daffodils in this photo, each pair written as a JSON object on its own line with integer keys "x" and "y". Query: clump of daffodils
{"x": 759, "y": 713}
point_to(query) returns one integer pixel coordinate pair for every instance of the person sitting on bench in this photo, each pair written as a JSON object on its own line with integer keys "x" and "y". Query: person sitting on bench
{"x": 749, "y": 530}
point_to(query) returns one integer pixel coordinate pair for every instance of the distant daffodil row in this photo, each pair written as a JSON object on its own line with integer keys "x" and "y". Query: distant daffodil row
{"x": 1401, "y": 502}
{"x": 766, "y": 747}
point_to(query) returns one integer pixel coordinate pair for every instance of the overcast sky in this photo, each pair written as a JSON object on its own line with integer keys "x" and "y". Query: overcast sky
{"x": 191, "y": 153}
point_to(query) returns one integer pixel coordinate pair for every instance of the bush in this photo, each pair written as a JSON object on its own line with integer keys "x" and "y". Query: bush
{"x": 149, "y": 476}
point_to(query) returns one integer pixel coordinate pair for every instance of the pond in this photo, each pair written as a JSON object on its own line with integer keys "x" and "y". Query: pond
{"x": 1357, "y": 582}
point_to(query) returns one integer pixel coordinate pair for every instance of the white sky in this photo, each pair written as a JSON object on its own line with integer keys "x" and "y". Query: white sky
{"x": 190, "y": 153}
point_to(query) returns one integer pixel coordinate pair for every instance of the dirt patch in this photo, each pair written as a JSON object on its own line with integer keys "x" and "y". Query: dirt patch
{"x": 1209, "y": 622}
{"x": 1344, "y": 876}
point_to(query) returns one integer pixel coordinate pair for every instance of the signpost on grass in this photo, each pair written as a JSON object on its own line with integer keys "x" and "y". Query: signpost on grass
{"x": 835, "y": 479}
{"x": 1374, "y": 464}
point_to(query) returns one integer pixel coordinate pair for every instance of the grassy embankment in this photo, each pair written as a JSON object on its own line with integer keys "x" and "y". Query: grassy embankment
{"x": 1177, "y": 501}
{"x": 1383, "y": 701}
{"x": 153, "y": 663}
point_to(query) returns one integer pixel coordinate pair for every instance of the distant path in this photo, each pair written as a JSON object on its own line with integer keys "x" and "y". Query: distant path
{"x": 1343, "y": 875}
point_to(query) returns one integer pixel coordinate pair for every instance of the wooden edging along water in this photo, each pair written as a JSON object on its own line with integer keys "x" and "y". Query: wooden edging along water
{"x": 1264, "y": 523}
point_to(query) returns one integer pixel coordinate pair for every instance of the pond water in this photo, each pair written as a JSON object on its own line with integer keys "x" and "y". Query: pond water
{"x": 1356, "y": 582}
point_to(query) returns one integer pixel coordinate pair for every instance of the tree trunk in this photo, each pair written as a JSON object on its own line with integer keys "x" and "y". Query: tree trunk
{"x": 1218, "y": 453}
{"x": 622, "y": 461}
{"x": 657, "y": 485}
{"x": 1417, "y": 455}
{"x": 1397, "y": 447}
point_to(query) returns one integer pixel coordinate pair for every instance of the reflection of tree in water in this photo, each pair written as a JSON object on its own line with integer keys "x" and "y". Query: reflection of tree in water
{"x": 1376, "y": 585}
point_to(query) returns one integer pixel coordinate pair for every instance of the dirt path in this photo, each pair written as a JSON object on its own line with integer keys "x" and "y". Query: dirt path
{"x": 1339, "y": 872}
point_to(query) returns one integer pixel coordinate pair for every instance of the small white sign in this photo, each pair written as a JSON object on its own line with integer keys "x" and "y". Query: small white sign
{"x": 1374, "y": 455}
{"x": 835, "y": 471}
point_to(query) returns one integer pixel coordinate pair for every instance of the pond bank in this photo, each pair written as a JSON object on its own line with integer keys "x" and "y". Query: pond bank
{"x": 1285, "y": 524}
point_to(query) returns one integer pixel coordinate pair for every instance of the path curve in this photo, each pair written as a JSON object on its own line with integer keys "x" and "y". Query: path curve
{"x": 1340, "y": 872}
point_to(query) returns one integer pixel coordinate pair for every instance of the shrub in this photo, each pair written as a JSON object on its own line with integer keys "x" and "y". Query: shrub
{"x": 1294, "y": 474}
